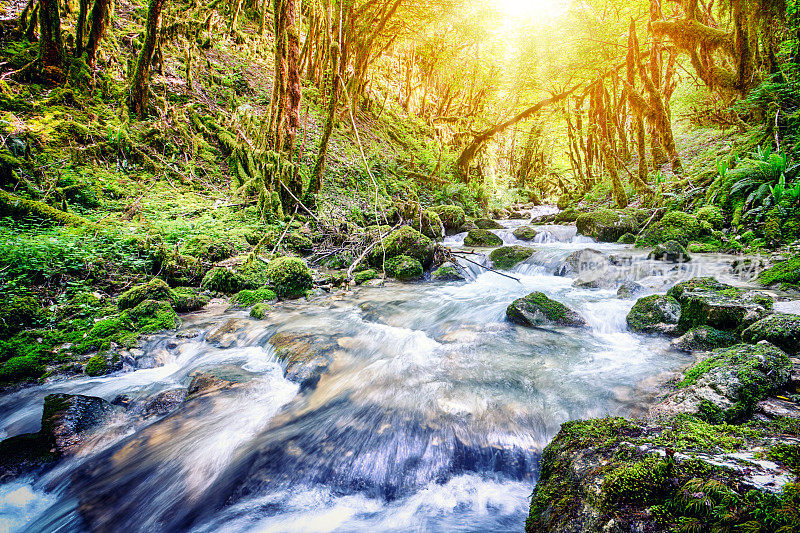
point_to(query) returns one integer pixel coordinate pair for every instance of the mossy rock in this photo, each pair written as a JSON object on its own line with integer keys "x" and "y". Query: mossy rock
{"x": 706, "y": 301}
{"x": 606, "y": 225}
{"x": 404, "y": 241}
{"x": 248, "y": 298}
{"x": 654, "y": 314}
{"x": 566, "y": 216}
{"x": 483, "y": 238}
{"x": 221, "y": 279}
{"x": 19, "y": 312}
{"x": 155, "y": 289}
{"x": 704, "y": 338}
{"x": 447, "y": 272}
{"x": 290, "y": 277}
{"x": 365, "y": 275}
{"x": 537, "y": 309}
{"x": 784, "y": 272}
{"x": 183, "y": 270}
{"x": 151, "y": 316}
{"x": 186, "y": 299}
{"x": 432, "y": 226}
{"x": 260, "y": 310}
{"x": 671, "y": 252}
{"x": 780, "y": 329}
{"x": 628, "y": 238}
{"x": 726, "y": 386}
{"x": 525, "y": 233}
{"x": 711, "y": 214}
{"x": 404, "y": 268}
{"x": 21, "y": 368}
{"x": 676, "y": 226}
{"x": 97, "y": 365}
{"x": 451, "y": 216}
{"x": 203, "y": 247}
{"x": 487, "y": 223}
{"x": 508, "y": 257}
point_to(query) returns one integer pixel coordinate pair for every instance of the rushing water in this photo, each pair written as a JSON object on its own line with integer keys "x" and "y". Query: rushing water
{"x": 431, "y": 416}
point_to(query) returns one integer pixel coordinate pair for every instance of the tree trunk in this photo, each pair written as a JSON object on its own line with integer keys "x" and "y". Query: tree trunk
{"x": 140, "y": 83}
{"x": 319, "y": 165}
{"x": 99, "y": 21}
{"x": 51, "y": 47}
{"x": 80, "y": 26}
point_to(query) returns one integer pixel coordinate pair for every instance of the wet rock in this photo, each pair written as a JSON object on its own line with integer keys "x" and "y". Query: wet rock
{"x": 207, "y": 382}
{"x": 777, "y": 408}
{"x": 260, "y": 310}
{"x": 586, "y": 261}
{"x": 606, "y": 225}
{"x": 671, "y": 252}
{"x": 482, "y": 237}
{"x": 726, "y": 386}
{"x": 704, "y": 338}
{"x": 525, "y": 233}
{"x": 166, "y": 401}
{"x": 654, "y": 314}
{"x": 225, "y": 334}
{"x": 447, "y": 272}
{"x": 706, "y": 301}
{"x": 431, "y": 224}
{"x": 782, "y": 330}
{"x": 537, "y": 309}
{"x": 507, "y": 257}
{"x": 306, "y": 357}
{"x": 630, "y": 289}
{"x": 467, "y": 226}
{"x": 451, "y": 216}
{"x": 487, "y": 223}
{"x": 403, "y": 268}
{"x": 628, "y": 238}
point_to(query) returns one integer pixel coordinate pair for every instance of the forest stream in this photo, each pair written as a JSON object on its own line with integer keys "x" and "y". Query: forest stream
{"x": 421, "y": 406}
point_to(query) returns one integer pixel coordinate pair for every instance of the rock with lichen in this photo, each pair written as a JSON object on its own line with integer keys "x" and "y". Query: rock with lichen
{"x": 536, "y": 309}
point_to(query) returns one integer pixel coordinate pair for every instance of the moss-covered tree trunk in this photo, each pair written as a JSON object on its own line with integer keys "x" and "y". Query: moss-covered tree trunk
{"x": 99, "y": 21}
{"x": 80, "y": 26}
{"x": 51, "y": 46}
{"x": 315, "y": 184}
{"x": 140, "y": 83}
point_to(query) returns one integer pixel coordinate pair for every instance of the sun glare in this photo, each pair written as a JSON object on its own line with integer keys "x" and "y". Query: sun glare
{"x": 526, "y": 9}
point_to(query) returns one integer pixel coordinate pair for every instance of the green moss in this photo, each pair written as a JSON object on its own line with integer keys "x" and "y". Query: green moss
{"x": 689, "y": 433}
{"x": 155, "y": 289}
{"x": 404, "y": 268}
{"x": 483, "y": 238}
{"x": 650, "y": 313}
{"x": 223, "y": 280}
{"x": 784, "y": 272}
{"x": 641, "y": 482}
{"x": 628, "y": 238}
{"x": 404, "y": 241}
{"x": 711, "y": 214}
{"x": 447, "y": 272}
{"x": 431, "y": 224}
{"x": 606, "y": 225}
{"x": 260, "y": 310}
{"x": 248, "y": 298}
{"x": 786, "y": 454}
{"x": 290, "y": 277}
{"x": 365, "y": 275}
{"x": 451, "y": 216}
{"x": 782, "y": 330}
{"x": 536, "y": 308}
{"x": 21, "y": 368}
{"x": 187, "y": 299}
{"x": 19, "y": 312}
{"x": 508, "y": 257}
{"x": 487, "y": 223}
{"x": 151, "y": 316}
{"x": 97, "y": 366}
{"x": 180, "y": 269}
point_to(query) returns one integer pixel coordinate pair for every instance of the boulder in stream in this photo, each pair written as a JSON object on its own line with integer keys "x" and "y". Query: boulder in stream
{"x": 780, "y": 329}
{"x": 404, "y": 241}
{"x": 487, "y": 223}
{"x": 403, "y": 268}
{"x": 586, "y": 260}
{"x": 671, "y": 252}
{"x": 654, "y": 314}
{"x": 525, "y": 233}
{"x": 447, "y": 272}
{"x": 482, "y": 237}
{"x": 306, "y": 357}
{"x": 507, "y": 257}
{"x": 703, "y": 339}
{"x": 706, "y": 301}
{"x": 536, "y": 309}
{"x": 606, "y": 225}
{"x": 451, "y": 216}
{"x": 630, "y": 289}
{"x": 726, "y": 386}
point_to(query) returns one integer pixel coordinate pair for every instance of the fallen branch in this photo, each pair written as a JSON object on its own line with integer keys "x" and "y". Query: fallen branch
{"x": 368, "y": 249}
{"x": 485, "y": 267}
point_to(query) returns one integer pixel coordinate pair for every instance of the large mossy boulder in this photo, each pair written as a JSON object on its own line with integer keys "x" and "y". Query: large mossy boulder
{"x": 483, "y": 238}
{"x": 704, "y": 339}
{"x": 183, "y": 270}
{"x": 185, "y": 299}
{"x": 525, "y": 233}
{"x": 726, "y": 386}
{"x": 706, "y": 301}
{"x": 155, "y": 289}
{"x": 784, "y": 272}
{"x": 220, "y": 279}
{"x": 151, "y": 316}
{"x": 711, "y": 214}
{"x": 487, "y": 223}
{"x": 249, "y": 298}
{"x": 290, "y": 277}
{"x": 655, "y": 314}
{"x": 779, "y": 329}
{"x": 451, "y": 216}
{"x": 404, "y": 268}
{"x": 671, "y": 252}
{"x": 508, "y": 257}
{"x": 606, "y": 225}
{"x": 676, "y": 226}
{"x": 404, "y": 241}
{"x": 18, "y": 312}
{"x": 536, "y": 309}
{"x": 429, "y": 224}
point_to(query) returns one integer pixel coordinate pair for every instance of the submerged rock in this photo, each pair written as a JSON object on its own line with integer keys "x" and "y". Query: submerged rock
{"x": 482, "y": 237}
{"x": 508, "y": 257}
{"x": 671, "y": 252}
{"x": 726, "y": 386}
{"x": 164, "y": 402}
{"x": 525, "y": 233}
{"x": 537, "y": 309}
{"x": 706, "y": 301}
{"x": 654, "y": 314}
{"x": 586, "y": 260}
{"x": 779, "y": 329}
{"x": 307, "y": 357}
{"x": 205, "y": 383}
